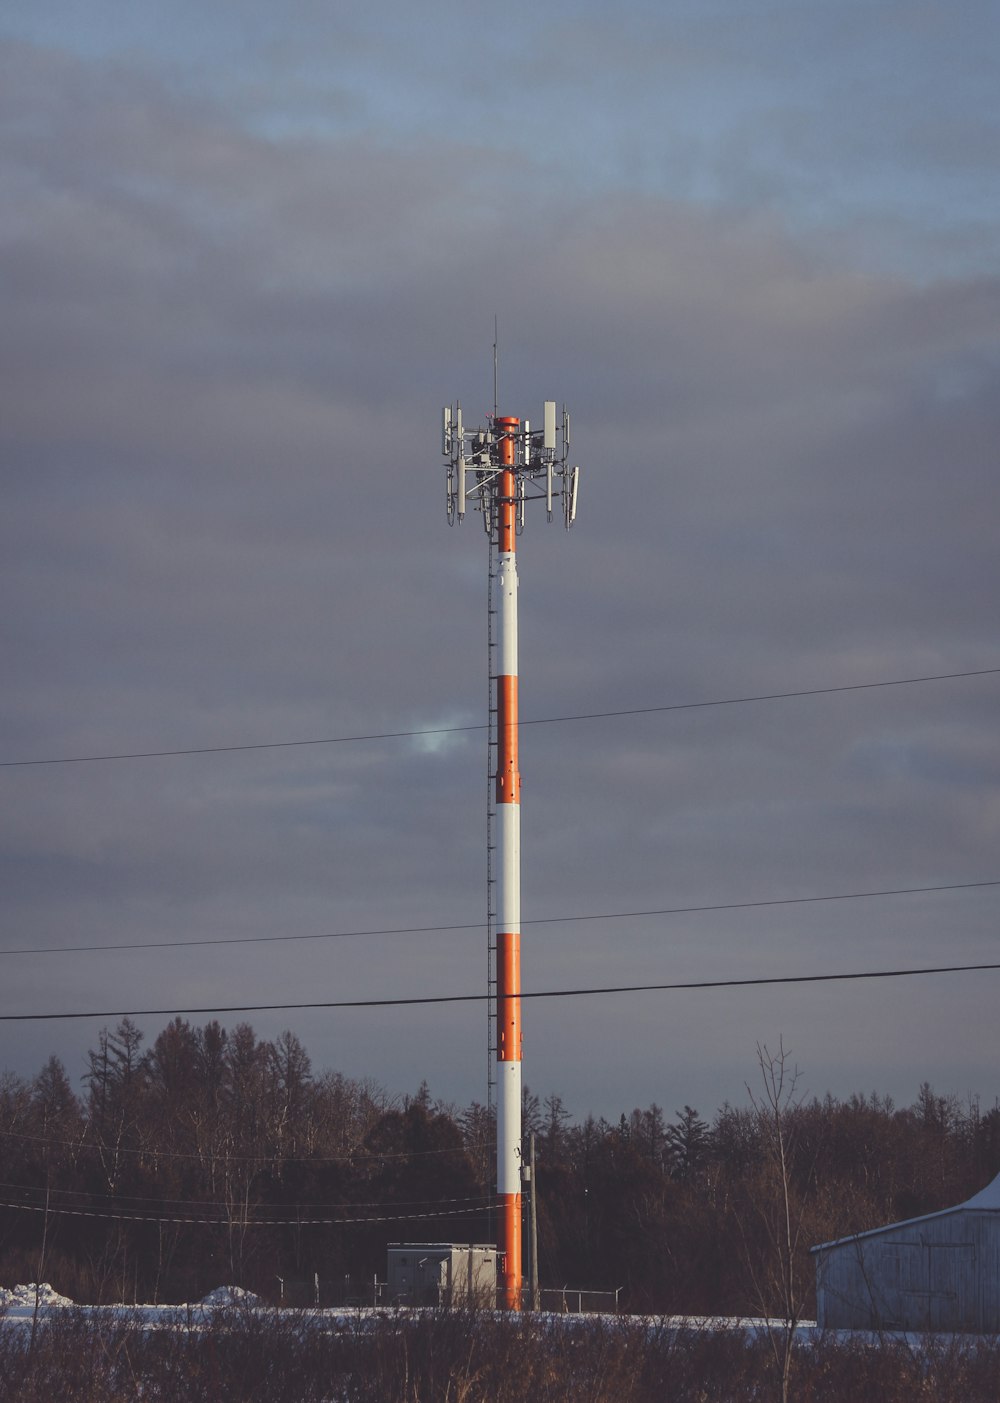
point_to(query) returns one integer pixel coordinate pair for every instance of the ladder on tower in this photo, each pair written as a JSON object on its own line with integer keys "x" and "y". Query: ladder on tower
{"x": 491, "y": 839}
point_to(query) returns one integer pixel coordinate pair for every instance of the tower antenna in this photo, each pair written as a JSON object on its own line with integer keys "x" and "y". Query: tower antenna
{"x": 498, "y": 469}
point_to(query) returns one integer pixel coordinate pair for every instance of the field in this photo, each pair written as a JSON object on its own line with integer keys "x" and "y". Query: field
{"x": 232, "y": 1348}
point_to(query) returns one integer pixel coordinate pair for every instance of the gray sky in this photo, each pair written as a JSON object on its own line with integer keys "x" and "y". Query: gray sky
{"x": 246, "y": 255}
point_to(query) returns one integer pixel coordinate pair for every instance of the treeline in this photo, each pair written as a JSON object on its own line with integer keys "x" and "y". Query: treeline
{"x": 216, "y": 1156}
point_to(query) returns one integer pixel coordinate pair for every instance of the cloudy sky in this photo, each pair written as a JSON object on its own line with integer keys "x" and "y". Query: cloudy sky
{"x": 247, "y": 252}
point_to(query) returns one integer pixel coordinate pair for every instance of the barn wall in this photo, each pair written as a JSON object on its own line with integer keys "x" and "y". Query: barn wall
{"x": 940, "y": 1273}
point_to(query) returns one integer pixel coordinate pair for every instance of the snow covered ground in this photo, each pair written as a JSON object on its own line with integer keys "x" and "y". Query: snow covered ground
{"x": 19, "y": 1298}
{"x": 19, "y": 1303}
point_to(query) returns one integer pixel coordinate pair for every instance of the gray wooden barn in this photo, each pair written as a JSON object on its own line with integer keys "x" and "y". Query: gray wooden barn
{"x": 938, "y": 1272}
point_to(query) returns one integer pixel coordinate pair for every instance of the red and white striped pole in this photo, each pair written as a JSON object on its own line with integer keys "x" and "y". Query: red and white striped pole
{"x": 508, "y": 811}
{"x": 497, "y": 470}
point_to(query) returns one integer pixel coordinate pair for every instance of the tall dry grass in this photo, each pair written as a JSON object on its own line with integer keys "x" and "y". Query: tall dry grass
{"x": 264, "y": 1356}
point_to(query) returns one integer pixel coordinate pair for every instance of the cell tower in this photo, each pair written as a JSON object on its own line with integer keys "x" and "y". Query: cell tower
{"x": 496, "y": 470}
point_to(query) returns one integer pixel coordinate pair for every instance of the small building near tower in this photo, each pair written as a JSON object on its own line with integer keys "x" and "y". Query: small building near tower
{"x": 937, "y": 1272}
{"x": 442, "y": 1274}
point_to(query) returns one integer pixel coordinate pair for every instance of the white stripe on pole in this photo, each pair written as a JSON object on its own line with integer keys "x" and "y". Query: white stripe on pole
{"x": 508, "y": 1127}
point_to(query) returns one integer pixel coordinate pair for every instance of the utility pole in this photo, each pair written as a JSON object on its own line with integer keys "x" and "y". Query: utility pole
{"x": 496, "y": 470}
{"x": 534, "y": 1288}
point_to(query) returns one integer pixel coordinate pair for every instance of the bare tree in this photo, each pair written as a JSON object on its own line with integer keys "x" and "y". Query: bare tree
{"x": 780, "y": 1208}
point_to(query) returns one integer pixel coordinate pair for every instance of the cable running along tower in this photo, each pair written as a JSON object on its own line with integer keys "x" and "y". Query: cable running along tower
{"x": 497, "y": 470}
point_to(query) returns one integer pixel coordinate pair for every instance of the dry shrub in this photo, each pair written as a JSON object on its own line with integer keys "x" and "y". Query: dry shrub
{"x": 267, "y": 1356}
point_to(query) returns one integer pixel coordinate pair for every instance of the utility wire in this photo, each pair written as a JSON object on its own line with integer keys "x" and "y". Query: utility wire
{"x": 358, "y": 1157}
{"x": 134, "y": 1203}
{"x": 246, "y": 1222}
{"x": 414, "y": 1000}
{"x": 479, "y": 925}
{"x": 534, "y": 721}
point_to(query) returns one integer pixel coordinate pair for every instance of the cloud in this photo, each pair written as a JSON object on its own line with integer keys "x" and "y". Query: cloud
{"x": 223, "y": 359}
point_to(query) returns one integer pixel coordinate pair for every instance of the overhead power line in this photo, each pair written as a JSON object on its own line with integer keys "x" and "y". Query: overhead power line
{"x": 248, "y": 1222}
{"x": 359, "y": 1157}
{"x": 418, "y": 999}
{"x": 532, "y": 721}
{"x": 479, "y": 925}
{"x": 134, "y": 1203}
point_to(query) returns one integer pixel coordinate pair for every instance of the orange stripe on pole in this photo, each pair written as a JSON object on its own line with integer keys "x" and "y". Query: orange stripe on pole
{"x": 509, "y": 1037}
{"x": 507, "y": 497}
{"x": 510, "y": 1215}
{"x": 508, "y": 775}
{"x": 508, "y": 514}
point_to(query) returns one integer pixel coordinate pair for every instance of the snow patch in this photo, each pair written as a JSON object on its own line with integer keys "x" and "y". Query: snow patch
{"x": 35, "y": 1293}
{"x": 230, "y": 1296}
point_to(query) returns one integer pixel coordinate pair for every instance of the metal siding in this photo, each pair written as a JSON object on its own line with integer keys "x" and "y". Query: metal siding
{"x": 441, "y": 1273}
{"x": 938, "y": 1274}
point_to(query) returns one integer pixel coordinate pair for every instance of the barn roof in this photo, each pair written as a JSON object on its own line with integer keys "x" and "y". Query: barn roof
{"x": 985, "y": 1201}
